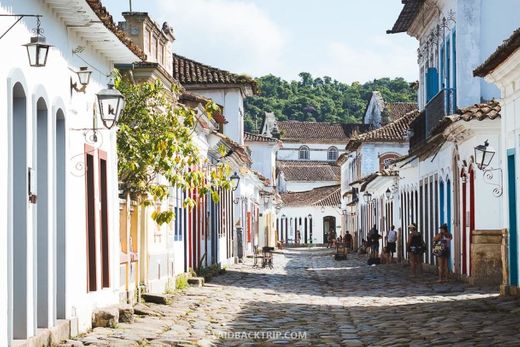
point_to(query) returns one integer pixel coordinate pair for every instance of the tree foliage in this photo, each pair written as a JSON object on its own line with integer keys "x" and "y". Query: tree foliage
{"x": 156, "y": 150}
{"x": 319, "y": 99}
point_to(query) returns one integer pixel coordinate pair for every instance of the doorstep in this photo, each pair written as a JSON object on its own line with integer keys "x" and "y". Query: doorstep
{"x": 47, "y": 337}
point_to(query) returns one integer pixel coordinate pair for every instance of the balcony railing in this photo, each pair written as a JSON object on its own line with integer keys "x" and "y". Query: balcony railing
{"x": 440, "y": 106}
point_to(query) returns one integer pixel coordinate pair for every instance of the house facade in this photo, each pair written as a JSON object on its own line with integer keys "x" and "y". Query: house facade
{"x": 59, "y": 188}
{"x": 440, "y": 182}
{"x": 308, "y": 178}
{"x": 502, "y": 68}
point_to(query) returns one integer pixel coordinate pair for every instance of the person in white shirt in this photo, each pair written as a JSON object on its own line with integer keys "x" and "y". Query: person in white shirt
{"x": 391, "y": 239}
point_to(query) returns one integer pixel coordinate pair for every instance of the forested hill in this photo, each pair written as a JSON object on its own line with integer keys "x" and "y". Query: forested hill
{"x": 321, "y": 99}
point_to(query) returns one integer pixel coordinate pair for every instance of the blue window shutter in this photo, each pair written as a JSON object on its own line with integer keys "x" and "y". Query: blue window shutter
{"x": 432, "y": 83}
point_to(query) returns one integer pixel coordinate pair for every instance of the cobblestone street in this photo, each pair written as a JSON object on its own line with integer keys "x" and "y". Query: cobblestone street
{"x": 310, "y": 299}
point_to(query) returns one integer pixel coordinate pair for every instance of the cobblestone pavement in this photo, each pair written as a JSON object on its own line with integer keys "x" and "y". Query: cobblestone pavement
{"x": 309, "y": 299}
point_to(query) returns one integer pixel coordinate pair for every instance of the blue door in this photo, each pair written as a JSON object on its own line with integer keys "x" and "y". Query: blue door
{"x": 513, "y": 250}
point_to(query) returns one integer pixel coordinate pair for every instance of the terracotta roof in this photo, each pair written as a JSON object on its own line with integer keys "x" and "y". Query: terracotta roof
{"x": 309, "y": 170}
{"x": 392, "y": 132}
{"x": 322, "y": 196}
{"x": 188, "y": 71}
{"x": 487, "y": 110}
{"x": 296, "y": 131}
{"x": 490, "y": 110}
{"x": 240, "y": 151}
{"x": 503, "y": 52}
{"x": 258, "y": 138}
{"x": 262, "y": 178}
{"x": 108, "y": 22}
{"x": 395, "y": 110}
{"x": 364, "y": 181}
{"x": 407, "y": 16}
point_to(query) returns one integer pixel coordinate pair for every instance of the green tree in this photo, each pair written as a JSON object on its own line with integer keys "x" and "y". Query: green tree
{"x": 321, "y": 98}
{"x": 155, "y": 148}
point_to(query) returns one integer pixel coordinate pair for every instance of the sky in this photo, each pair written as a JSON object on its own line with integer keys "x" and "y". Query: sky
{"x": 343, "y": 39}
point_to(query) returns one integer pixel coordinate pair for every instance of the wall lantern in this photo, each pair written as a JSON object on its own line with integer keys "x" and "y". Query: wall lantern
{"x": 483, "y": 155}
{"x": 235, "y": 180}
{"x": 388, "y": 193}
{"x": 278, "y": 208}
{"x": 309, "y": 216}
{"x": 110, "y": 102}
{"x": 367, "y": 197}
{"x": 344, "y": 212}
{"x": 323, "y": 209}
{"x": 284, "y": 216}
{"x": 83, "y": 78}
{"x": 37, "y": 48}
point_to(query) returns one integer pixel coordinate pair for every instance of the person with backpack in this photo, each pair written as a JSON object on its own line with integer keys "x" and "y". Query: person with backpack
{"x": 416, "y": 247}
{"x": 441, "y": 249}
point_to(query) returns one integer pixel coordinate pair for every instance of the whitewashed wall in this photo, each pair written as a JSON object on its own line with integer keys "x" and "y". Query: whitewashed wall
{"x": 318, "y": 151}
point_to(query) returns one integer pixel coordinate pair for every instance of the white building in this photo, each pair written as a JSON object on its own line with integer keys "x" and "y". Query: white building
{"x": 368, "y": 156}
{"x": 503, "y": 69}
{"x": 439, "y": 181}
{"x": 58, "y": 189}
{"x": 308, "y": 177}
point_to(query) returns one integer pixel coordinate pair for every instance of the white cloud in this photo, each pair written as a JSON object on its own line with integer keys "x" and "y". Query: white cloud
{"x": 236, "y": 35}
{"x": 383, "y": 59}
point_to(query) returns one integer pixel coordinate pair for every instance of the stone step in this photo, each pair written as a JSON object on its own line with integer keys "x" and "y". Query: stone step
{"x": 196, "y": 281}
{"x": 106, "y": 317}
{"x": 126, "y": 314}
{"x": 163, "y": 299}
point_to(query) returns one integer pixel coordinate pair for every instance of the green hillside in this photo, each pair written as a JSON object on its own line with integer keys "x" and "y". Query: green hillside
{"x": 321, "y": 99}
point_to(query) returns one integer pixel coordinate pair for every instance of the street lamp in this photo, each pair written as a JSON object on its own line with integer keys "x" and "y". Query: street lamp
{"x": 235, "y": 180}
{"x": 111, "y": 102}
{"x": 483, "y": 155}
{"x": 367, "y": 197}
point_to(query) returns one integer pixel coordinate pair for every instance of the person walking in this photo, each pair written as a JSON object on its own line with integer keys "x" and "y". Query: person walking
{"x": 441, "y": 249}
{"x": 374, "y": 242}
{"x": 416, "y": 247}
{"x": 391, "y": 241}
{"x": 348, "y": 240}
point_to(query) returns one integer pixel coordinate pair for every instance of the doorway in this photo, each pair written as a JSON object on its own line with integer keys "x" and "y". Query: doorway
{"x": 513, "y": 237}
{"x": 329, "y": 224}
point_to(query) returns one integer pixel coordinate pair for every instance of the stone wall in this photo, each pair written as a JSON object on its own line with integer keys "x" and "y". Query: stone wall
{"x": 486, "y": 257}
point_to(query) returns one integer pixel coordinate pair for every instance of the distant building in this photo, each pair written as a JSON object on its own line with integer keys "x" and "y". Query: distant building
{"x": 306, "y": 166}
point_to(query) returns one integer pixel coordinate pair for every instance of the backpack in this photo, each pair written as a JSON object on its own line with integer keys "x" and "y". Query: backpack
{"x": 417, "y": 246}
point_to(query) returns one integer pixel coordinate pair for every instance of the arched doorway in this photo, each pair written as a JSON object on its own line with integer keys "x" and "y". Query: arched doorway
{"x": 18, "y": 203}
{"x": 329, "y": 224}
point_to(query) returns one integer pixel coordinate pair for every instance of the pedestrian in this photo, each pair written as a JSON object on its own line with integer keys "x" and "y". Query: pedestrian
{"x": 332, "y": 238}
{"x": 374, "y": 242}
{"x": 391, "y": 241}
{"x": 298, "y": 236}
{"x": 348, "y": 240}
{"x": 416, "y": 248}
{"x": 441, "y": 249}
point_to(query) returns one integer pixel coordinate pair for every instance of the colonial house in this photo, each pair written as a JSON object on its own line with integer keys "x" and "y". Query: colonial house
{"x": 502, "y": 68}
{"x": 229, "y": 90}
{"x": 263, "y": 152}
{"x": 368, "y": 156}
{"x": 440, "y": 180}
{"x": 58, "y": 189}
{"x": 307, "y": 164}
